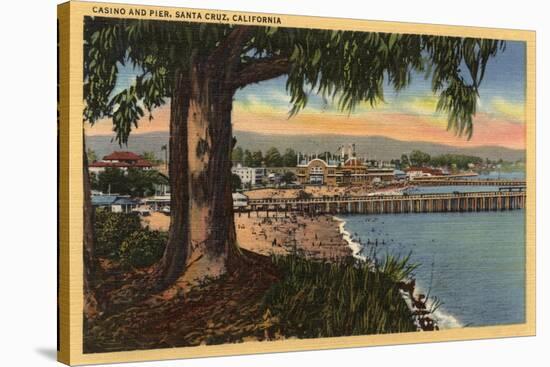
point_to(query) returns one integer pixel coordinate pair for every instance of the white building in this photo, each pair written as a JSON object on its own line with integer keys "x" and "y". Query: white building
{"x": 239, "y": 200}
{"x": 249, "y": 175}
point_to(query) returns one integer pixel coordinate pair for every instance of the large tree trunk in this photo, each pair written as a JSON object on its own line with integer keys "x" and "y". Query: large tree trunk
{"x": 91, "y": 308}
{"x": 175, "y": 255}
{"x": 202, "y": 231}
{"x": 212, "y": 230}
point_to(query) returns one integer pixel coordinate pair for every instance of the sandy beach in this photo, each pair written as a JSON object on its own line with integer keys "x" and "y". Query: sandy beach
{"x": 320, "y": 191}
{"x": 319, "y": 237}
{"x": 316, "y": 237}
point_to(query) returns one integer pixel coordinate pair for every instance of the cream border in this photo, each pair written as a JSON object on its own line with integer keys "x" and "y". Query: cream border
{"x": 71, "y": 298}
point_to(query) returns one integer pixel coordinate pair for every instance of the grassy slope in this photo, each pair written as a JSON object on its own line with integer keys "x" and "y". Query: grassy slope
{"x": 267, "y": 299}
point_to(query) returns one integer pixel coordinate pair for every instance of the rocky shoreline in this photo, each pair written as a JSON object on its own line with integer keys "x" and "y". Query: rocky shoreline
{"x": 417, "y": 302}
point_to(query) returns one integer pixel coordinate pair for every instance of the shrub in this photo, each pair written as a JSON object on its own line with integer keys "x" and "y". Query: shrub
{"x": 111, "y": 229}
{"x": 322, "y": 299}
{"x": 143, "y": 248}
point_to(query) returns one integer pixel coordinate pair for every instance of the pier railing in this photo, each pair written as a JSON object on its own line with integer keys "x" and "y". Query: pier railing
{"x": 376, "y": 204}
{"x": 441, "y": 181}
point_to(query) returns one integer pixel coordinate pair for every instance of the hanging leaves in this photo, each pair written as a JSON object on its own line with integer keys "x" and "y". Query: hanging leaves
{"x": 346, "y": 66}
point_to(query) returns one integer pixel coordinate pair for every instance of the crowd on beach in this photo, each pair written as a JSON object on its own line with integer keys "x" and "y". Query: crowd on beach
{"x": 312, "y": 236}
{"x": 321, "y": 191}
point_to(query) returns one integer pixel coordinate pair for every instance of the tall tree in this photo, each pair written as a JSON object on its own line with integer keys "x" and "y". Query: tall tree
{"x": 257, "y": 159}
{"x": 273, "y": 157}
{"x": 199, "y": 67}
{"x": 405, "y": 161}
{"x": 151, "y": 157}
{"x": 289, "y": 158}
{"x": 419, "y": 158}
{"x": 247, "y": 158}
{"x": 237, "y": 156}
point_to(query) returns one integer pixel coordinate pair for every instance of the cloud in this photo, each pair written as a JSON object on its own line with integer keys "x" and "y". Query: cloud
{"x": 514, "y": 111}
{"x": 410, "y": 117}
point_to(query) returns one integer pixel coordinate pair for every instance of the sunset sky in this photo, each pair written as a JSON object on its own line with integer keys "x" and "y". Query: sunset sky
{"x": 407, "y": 116}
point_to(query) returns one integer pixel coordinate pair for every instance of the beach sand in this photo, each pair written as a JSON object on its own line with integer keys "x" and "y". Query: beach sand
{"x": 316, "y": 237}
{"x": 320, "y": 191}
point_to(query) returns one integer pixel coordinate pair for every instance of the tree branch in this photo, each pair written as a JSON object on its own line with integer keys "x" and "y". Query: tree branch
{"x": 228, "y": 52}
{"x": 262, "y": 69}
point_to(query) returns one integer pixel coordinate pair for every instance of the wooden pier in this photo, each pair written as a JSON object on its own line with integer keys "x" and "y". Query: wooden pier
{"x": 392, "y": 204}
{"x": 442, "y": 181}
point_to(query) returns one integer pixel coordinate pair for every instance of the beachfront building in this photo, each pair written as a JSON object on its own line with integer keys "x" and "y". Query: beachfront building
{"x": 352, "y": 172}
{"x": 418, "y": 172}
{"x": 340, "y": 171}
{"x": 239, "y": 200}
{"x": 381, "y": 175}
{"x": 399, "y": 175}
{"x": 252, "y": 176}
{"x": 120, "y": 160}
{"x": 317, "y": 172}
{"x": 114, "y": 203}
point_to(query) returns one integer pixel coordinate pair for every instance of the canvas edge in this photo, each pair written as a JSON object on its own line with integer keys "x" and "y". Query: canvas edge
{"x": 63, "y": 276}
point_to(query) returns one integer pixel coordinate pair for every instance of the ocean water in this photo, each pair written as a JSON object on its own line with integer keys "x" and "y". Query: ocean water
{"x": 495, "y": 175}
{"x": 474, "y": 263}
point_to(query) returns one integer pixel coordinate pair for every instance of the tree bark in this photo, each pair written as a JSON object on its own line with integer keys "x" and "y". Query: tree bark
{"x": 212, "y": 230}
{"x": 176, "y": 252}
{"x": 202, "y": 230}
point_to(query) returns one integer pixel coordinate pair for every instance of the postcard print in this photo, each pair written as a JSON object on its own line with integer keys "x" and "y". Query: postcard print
{"x": 261, "y": 183}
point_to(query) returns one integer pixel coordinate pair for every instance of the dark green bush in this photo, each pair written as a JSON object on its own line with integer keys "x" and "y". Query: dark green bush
{"x": 143, "y": 248}
{"x": 111, "y": 229}
{"x": 322, "y": 299}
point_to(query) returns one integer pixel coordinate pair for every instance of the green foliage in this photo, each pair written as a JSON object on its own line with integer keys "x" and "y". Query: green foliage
{"x": 253, "y": 159}
{"x": 323, "y": 299}
{"x": 237, "y": 155}
{"x": 404, "y": 161}
{"x": 142, "y": 183}
{"x": 247, "y": 158}
{"x": 288, "y": 177}
{"x": 143, "y": 248}
{"x": 135, "y": 182}
{"x": 152, "y": 158}
{"x": 273, "y": 158}
{"x": 111, "y": 229}
{"x": 91, "y": 155}
{"x": 349, "y": 67}
{"x": 120, "y": 236}
{"x": 289, "y": 158}
{"x": 111, "y": 180}
{"x": 257, "y": 159}
{"x": 459, "y": 161}
{"x": 419, "y": 158}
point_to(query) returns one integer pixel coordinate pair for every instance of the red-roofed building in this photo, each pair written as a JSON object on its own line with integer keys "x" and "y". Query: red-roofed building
{"x": 127, "y": 157}
{"x": 121, "y": 160}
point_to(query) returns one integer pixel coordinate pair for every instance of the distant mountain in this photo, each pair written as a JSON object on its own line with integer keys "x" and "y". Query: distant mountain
{"x": 374, "y": 147}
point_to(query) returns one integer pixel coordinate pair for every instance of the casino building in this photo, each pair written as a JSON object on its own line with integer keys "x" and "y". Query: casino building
{"x": 343, "y": 170}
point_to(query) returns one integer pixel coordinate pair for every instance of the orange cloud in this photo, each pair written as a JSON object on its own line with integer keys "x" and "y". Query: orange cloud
{"x": 405, "y": 126}
{"x": 400, "y": 126}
